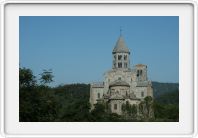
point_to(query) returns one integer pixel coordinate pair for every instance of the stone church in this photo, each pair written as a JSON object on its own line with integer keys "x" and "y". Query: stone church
{"x": 122, "y": 83}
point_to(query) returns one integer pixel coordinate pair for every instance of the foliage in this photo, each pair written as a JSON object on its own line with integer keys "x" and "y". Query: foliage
{"x": 46, "y": 77}
{"x": 169, "y": 97}
{"x": 26, "y": 78}
{"x": 167, "y": 107}
{"x": 146, "y": 108}
{"x": 162, "y": 88}
{"x": 130, "y": 111}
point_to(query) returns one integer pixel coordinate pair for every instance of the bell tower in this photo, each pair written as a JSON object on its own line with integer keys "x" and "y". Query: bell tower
{"x": 121, "y": 55}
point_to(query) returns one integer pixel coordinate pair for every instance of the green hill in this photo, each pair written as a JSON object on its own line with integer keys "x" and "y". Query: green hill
{"x": 162, "y": 88}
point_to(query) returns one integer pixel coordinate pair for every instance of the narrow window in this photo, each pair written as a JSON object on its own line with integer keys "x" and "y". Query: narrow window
{"x": 115, "y": 106}
{"x": 119, "y": 78}
{"x": 125, "y": 65}
{"x": 119, "y": 57}
{"x": 119, "y": 65}
{"x": 114, "y": 65}
{"x": 98, "y": 95}
{"x": 140, "y": 72}
{"x": 142, "y": 94}
{"x": 125, "y": 57}
{"x": 114, "y": 57}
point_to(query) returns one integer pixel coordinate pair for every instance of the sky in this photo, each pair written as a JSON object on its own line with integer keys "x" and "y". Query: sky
{"x": 78, "y": 49}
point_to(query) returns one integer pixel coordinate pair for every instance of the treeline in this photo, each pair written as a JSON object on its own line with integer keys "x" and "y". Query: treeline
{"x": 70, "y": 103}
{"x": 167, "y": 107}
{"x": 162, "y": 88}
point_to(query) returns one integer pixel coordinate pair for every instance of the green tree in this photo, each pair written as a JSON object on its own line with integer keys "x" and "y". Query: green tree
{"x": 36, "y": 104}
{"x": 146, "y": 108}
{"x": 149, "y": 106}
{"x": 133, "y": 111}
{"x": 130, "y": 111}
{"x": 46, "y": 77}
{"x": 26, "y": 78}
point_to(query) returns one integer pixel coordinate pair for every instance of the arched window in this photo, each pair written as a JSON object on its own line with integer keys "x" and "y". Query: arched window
{"x": 140, "y": 72}
{"x": 119, "y": 65}
{"x": 98, "y": 95}
{"x": 114, "y": 57}
{"x": 119, "y": 57}
{"x": 125, "y": 57}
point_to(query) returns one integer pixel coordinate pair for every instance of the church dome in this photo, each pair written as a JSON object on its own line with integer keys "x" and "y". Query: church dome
{"x": 119, "y": 83}
{"x": 120, "y": 46}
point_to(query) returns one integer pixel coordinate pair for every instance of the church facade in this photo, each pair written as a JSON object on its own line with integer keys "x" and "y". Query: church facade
{"x": 122, "y": 84}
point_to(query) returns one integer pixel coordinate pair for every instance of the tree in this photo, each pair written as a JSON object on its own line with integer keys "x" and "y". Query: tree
{"x": 130, "y": 111}
{"x": 26, "y": 78}
{"x": 133, "y": 111}
{"x": 146, "y": 108}
{"x": 149, "y": 106}
{"x": 46, "y": 77}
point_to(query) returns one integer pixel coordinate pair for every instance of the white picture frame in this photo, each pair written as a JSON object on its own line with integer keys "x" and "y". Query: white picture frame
{"x": 11, "y": 10}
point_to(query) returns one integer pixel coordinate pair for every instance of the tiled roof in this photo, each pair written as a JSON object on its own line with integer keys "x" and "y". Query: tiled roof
{"x": 120, "y": 46}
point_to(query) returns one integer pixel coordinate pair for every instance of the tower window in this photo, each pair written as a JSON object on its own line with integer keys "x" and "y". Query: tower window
{"x": 119, "y": 65}
{"x": 125, "y": 65}
{"x": 142, "y": 94}
{"x": 115, "y": 106}
{"x": 98, "y": 95}
{"x": 125, "y": 57}
{"x": 114, "y": 65}
{"x": 119, "y": 57}
{"x": 140, "y": 72}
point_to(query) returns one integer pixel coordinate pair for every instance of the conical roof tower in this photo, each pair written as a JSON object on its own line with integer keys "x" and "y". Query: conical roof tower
{"x": 121, "y": 55}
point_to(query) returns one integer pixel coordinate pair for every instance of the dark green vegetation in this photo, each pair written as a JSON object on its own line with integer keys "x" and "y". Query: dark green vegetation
{"x": 69, "y": 103}
{"x": 162, "y": 88}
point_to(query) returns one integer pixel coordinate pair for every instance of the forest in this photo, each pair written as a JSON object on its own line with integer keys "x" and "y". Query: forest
{"x": 38, "y": 102}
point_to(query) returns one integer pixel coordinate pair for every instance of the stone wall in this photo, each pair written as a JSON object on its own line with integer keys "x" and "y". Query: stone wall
{"x": 95, "y": 94}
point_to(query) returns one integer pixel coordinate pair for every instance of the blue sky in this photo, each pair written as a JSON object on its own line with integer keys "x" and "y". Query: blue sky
{"x": 78, "y": 49}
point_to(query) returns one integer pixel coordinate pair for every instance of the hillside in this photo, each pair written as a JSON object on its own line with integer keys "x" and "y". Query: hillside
{"x": 162, "y": 88}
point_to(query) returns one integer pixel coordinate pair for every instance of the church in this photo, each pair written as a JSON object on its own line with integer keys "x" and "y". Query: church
{"x": 122, "y": 84}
